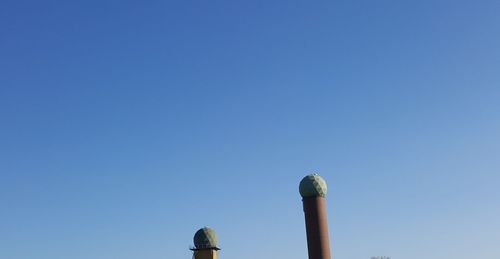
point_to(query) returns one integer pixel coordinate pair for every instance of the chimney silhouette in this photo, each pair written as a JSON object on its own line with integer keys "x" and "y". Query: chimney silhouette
{"x": 313, "y": 191}
{"x": 205, "y": 244}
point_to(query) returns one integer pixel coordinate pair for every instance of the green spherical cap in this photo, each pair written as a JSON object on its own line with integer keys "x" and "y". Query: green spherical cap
{"x": 312, "y": 185}
{"x": 205, "y": 238}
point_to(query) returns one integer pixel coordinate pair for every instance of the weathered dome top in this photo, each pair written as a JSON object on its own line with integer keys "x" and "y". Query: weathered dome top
{"x": 312, "y": 185}
{"x": 205, "y": 238}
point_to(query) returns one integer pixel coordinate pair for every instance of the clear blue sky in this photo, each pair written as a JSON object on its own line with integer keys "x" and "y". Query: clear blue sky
{"x": 127, "y": 125}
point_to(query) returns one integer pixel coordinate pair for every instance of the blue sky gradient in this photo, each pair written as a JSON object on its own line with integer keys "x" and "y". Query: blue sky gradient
{"x": 127, "y": 125}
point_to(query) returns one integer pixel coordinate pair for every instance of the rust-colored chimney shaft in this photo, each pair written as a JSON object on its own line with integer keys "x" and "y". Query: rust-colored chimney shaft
{"x": 318, "y": 244}
{"x": 313, "y": 191}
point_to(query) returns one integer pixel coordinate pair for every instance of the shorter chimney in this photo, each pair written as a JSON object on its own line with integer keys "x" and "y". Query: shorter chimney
{"x": 205, "y": 244}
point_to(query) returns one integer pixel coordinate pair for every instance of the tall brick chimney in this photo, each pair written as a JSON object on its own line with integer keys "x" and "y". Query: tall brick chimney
{"x": 313, "y": 191}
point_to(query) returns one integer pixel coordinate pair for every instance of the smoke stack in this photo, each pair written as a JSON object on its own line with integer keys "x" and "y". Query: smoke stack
{"x": 205, "y": 244}
{"x": 313, "y": 191}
